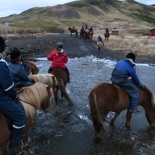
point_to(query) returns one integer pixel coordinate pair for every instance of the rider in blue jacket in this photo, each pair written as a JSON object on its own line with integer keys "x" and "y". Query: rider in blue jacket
{"x": 120, "y": 76}
{"x": 9, "y": 106}
{"x": 16, "y": 67}
{"x": 99, "y": 38}
{"x": 91, "y": 29}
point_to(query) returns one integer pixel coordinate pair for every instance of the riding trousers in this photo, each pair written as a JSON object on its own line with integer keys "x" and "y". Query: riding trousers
{"x": 16, "y": 114}
{"x": 132, "y": 90}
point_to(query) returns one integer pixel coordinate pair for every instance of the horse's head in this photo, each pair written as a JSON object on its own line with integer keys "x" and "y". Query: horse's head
{"x": 69, "y": 28}
{"x": 32, "y": 67}
{"x": 149, "y": 105}
{"x": 37, "y": 95}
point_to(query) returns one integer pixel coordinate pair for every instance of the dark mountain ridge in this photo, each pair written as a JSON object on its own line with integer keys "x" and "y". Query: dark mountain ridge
{"x": 91, "y": 12}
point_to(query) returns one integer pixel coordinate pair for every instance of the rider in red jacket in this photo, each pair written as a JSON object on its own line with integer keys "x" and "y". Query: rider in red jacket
{"x": 59, "y": 58}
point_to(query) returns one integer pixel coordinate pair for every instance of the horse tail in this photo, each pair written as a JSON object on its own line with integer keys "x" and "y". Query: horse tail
{"x": 95, "y": 114}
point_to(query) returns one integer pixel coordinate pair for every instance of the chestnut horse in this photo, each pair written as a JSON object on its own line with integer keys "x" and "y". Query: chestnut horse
{"x": 73, "y": 30}
{"x": 88, "y": 35}
{"x": 100, "y": 45}
{"x": 62, "y": 78}
{"x": 32, "y": 68}
{"x": 106, "y": 36}
{"x": 105, "y": 97}
{"x": 32, "y": 98}
{"x": 57, "y": 79}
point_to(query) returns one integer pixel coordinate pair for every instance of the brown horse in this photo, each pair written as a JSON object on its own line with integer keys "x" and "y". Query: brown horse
{"x": 105, "y": 97}
{"x": 57, "y": 79}
{"x": 32, "y": 98}
{"x": 88, "y": 35}
{"x": 32, "y": 68}
{"x": 100, "y": 45}
{"x": 106, "y": 36}
{"x": 62, "y": 78}
{"x": 73, "y": 30}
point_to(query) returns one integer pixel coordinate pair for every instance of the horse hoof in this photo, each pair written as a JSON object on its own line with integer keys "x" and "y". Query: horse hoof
{"x": 71, "y": 104}
{"x": 128, "y": 126}
{"x": 97, "y": 139}
{"x": 112, "y": 123}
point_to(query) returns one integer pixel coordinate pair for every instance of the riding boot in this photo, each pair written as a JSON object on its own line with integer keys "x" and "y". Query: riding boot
{"x": 128, "y": 118}
{"x": 67, "y": 71}
{"x": 15, "y": 143}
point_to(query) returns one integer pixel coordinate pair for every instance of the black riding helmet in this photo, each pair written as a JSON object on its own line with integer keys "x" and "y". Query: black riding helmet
{"x": 15, "y": 53}
{"x": 59, "y": 45}
{"x": 131, "y": 56}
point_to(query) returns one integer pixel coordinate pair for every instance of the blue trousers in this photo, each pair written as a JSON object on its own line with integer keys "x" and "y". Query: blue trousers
{"x": 132, "y": 90}
{"x": 16, "y": 114}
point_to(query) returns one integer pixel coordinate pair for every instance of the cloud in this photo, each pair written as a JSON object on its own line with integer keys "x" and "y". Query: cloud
{"x": 8, "y": 7}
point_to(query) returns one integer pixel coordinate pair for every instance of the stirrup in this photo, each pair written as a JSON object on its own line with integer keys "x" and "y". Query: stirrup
{"x": 15, "y": 148}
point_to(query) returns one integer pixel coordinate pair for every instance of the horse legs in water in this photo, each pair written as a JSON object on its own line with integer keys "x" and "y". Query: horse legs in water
{"x": 100, "y": 129}
{"x": 64, "y": 93}
{"x": 114, "y": 118}
{"x": 128, "y": 118}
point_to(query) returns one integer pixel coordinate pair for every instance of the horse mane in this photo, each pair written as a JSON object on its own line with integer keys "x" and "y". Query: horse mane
{"x": 48, "y": 79}
{"x": 150, "y": 95}
{"x": 34, "y": 95}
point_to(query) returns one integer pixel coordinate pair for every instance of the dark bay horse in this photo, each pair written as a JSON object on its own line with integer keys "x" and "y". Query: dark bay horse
{"x": 106, "y": 36}
{"x": 86, "y": 35}
{"x": 105, "y": 97}
{"x": 32, "y": 98}
{"x": 32, "y": 68}
{"x": 73, "y": 30}
{"x": 62, "y": 79}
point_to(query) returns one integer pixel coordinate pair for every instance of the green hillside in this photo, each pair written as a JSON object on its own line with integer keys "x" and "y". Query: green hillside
{"x": 92, "y": 12}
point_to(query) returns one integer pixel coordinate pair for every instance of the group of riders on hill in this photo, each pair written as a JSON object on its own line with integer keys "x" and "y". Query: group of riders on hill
{"x": 90, "y": 31}
{"x": 86, "y": 30}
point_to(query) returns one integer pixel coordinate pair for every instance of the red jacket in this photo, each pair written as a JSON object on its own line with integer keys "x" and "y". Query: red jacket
{"x": 58, "y": 60}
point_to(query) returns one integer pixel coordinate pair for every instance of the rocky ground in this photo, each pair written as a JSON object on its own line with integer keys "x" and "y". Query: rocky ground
{"x": 40, "y": 45}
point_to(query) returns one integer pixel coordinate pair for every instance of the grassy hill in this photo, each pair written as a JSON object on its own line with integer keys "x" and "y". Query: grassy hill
{"x": 97, "y": 13}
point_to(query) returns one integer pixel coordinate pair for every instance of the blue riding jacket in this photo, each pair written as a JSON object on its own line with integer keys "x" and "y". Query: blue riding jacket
{"x": 82, "y": 29}
{"x": 8, "y": 105}
{"x": 6, "y": 82}
{"x": 99, "y": 38}
{"x": 120, "y": 76}
{"x": 19, "y": 75}
{"x": 91, "y": 28}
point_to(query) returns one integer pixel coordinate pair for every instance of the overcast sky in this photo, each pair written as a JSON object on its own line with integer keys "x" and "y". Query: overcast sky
{"x": 8, "y": 7}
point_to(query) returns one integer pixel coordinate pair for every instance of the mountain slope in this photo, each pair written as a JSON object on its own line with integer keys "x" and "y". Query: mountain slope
{"x": 98, "y": 13}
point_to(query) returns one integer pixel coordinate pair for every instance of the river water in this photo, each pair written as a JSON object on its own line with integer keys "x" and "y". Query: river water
{"x": 69, "y": 131}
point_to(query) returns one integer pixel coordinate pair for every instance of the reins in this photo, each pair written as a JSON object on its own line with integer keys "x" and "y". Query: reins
{"x": 27, "y": 103}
